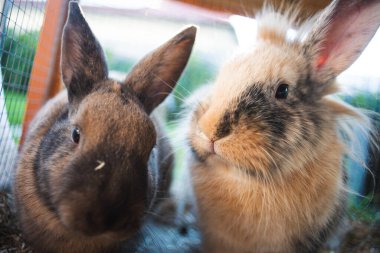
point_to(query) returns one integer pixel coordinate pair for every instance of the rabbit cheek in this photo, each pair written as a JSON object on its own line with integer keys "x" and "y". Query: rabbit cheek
{"x": 244, "y": 148}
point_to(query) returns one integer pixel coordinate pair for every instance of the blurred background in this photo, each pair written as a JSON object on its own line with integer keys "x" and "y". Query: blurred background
{"x": 30, "y": 45}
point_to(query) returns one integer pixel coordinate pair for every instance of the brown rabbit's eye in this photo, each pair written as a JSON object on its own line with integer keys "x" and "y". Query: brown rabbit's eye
{"x": 75, "y": 135}
{"x": 282, "y": 91}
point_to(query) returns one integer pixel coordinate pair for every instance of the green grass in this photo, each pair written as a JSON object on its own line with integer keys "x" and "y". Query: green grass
{"x": 16, "y": 65}
{"x": 118, "y": 63}
{"x": 15, "y": 103}
{"x": 17, "y": 57}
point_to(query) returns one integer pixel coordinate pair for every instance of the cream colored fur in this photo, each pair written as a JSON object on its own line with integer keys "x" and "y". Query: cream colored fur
{"x": 244, "y": 206}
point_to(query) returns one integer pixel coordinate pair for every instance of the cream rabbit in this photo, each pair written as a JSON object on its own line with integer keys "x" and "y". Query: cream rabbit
{"x": 266, "y": 162}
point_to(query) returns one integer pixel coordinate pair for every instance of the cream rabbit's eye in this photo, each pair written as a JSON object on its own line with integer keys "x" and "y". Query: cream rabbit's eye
{"x": 75, "y": 135}
{"x": 282, "y": 91}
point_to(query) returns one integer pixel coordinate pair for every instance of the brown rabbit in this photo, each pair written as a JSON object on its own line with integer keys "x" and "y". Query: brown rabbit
{"x": 267, "y": 166}
{"x": 94, "y": 160}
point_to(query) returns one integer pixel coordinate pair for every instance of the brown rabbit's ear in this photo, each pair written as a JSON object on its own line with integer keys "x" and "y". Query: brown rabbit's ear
{"x": 154, "y": 77}
{"x": 83, "y": 62}
{"x": 339, "y": 36}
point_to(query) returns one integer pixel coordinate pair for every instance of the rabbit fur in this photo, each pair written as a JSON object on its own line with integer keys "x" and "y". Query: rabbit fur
{"x": 266, "y": 149}
{"x": 95, "y": 159}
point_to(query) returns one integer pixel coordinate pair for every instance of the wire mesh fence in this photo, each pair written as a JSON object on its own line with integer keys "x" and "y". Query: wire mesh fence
{"x": 20, "y": 25}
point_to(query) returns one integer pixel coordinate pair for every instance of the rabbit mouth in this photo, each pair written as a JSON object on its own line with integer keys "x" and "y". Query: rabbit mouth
{"x": 204, "y": 147}
{"x": 250, "y": 155}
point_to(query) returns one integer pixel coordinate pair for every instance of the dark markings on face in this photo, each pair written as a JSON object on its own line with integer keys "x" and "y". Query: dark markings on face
{"x": 48, "y": 147}
{"x": 308, "y": 93}
{"x": 277, "y": 121}
{"x": 255, "y": 109}
{"x": 250, "y": 103}
{"x": 301, "y": 92}
{"x": 225, "y": 125}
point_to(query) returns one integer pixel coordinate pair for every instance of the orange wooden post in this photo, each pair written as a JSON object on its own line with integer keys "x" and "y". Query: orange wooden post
{"x": 45, "y": 79}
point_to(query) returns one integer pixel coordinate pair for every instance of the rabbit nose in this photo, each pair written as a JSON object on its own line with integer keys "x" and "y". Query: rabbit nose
{"x": 207, "y": 143}
{"x": 207, "y": 124}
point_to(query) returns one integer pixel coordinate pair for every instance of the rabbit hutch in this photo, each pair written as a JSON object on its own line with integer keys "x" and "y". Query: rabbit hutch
{"x": 30, "y": 75}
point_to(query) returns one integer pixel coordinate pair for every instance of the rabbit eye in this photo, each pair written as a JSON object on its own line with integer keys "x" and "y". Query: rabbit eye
{"x": 282, "y": 91}
{"x": 75, "y": 135}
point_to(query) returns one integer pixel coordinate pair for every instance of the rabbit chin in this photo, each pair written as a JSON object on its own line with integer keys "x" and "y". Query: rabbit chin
{"x": 94, "y": 222}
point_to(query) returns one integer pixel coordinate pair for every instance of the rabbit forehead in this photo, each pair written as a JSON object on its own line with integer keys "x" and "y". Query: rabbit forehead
{"x": 265, "y": 67}
{"x": 266, "y": 64}
{"x": 108, "y": 116}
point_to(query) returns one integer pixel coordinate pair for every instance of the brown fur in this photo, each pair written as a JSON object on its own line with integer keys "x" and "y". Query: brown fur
{"x": 92, "y": 195}
{"x": 267, "y": 172}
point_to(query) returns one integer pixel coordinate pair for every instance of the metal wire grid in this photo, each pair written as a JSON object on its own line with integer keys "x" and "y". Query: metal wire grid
{"x": 19, "y": 30}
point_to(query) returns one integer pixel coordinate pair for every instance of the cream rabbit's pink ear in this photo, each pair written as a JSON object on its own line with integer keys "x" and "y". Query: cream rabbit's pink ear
{"x": 339, "y": 36}
{"x": 154, "y": 77}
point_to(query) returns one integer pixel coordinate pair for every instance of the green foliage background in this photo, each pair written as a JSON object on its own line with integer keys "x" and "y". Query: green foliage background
{"x": 17, "y": 57}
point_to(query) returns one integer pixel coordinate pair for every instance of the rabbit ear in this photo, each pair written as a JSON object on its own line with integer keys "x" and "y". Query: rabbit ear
{"x": 154, "y": 77}
{"x": 340, "y": 35}
{"x": 83, "y": 62}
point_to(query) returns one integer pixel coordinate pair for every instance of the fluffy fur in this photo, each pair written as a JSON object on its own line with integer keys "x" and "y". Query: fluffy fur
{"x": 90, "y": 193}
{"x": 267, "y": 172}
